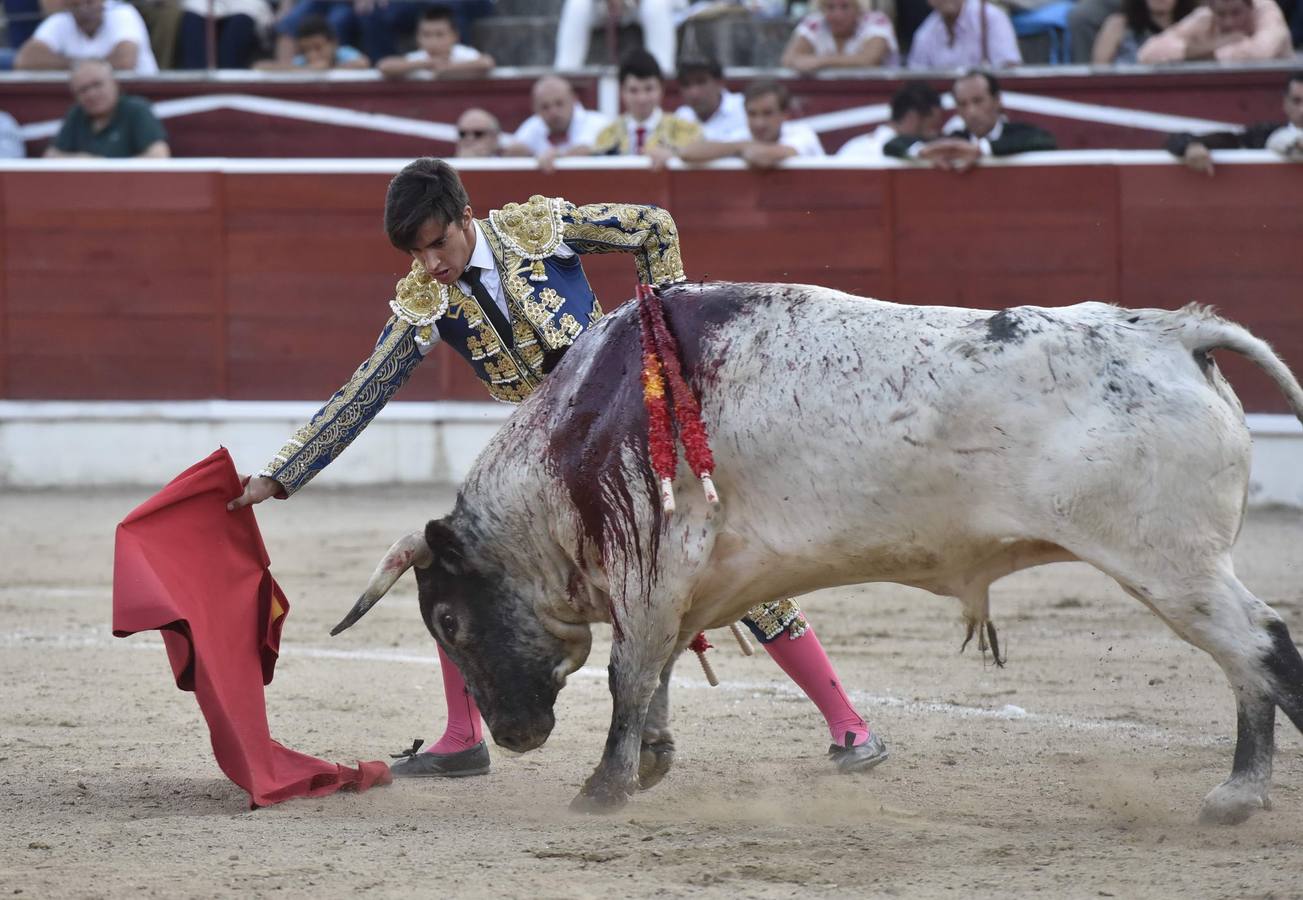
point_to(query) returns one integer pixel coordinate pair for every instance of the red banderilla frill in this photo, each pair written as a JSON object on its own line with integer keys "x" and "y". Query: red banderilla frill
{"x": 662, "y": 370}
{"x": 699, "y": 646}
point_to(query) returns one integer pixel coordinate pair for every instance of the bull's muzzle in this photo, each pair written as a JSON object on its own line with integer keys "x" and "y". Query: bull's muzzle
{"x": 521, "y": 736}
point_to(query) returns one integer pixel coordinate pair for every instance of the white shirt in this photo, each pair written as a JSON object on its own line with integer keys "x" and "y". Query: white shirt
{"x": 648, "y": 125}
{"x": 871, "y": 25}
{"x": 482, "y": 259}
{"x": 727, "y": 123}
{"x": 801, "y": 138}
{"x": 121, "y": 23}
{"x": 868, "y": 146}
{"x": 460, "y": 53}
{"x": 1287, "y": 141}
{"x": 584, "y": 126}
{"x": 258, "y": 10}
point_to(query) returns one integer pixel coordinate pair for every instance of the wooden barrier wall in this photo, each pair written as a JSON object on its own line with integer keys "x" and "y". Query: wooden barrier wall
{"x": 1235, "y": 95}
{"x": 197, "y": 284}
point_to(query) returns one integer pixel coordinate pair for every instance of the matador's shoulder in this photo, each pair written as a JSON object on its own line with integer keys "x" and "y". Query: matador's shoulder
{"x": 679, "y": 132}
{"x": 533, "y": 229}
{"x": 419, "y": 300}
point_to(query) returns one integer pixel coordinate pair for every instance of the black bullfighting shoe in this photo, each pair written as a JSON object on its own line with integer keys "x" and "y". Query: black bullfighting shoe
{"x": 472, "y": 761}
{"x": 855, "y": 759}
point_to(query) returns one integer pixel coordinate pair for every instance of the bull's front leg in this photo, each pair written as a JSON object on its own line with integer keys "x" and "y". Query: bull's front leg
{"x": 638, "y": 658}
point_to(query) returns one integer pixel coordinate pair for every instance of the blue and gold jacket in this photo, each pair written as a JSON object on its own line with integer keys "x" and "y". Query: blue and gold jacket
{"x": 548, "y": 295}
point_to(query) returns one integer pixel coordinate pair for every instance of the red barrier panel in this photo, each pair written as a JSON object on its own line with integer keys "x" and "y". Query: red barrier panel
{"x": 179, "y": 285}
{"x": 245, "y": 115}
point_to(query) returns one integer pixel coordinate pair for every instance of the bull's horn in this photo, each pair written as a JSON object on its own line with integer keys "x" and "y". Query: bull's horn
{"x": 409, "y": 550}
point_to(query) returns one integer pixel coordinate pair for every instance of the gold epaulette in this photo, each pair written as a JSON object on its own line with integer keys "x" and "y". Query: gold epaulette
{"x": 532, "y": 229}
{"x": 419, "y": 300}
{"x": 677, "y": 132}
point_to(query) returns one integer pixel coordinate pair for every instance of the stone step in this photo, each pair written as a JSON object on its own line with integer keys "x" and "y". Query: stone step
{"x": 532, "y": 7}
{"x": 531, "y": 40}
{"x": 735, "y": 41}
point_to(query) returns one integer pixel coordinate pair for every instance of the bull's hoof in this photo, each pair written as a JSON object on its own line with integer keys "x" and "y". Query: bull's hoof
{"x": 598, "y": 803}
{"x": 654, "y": 763}
{"x": 1231, "y": 803}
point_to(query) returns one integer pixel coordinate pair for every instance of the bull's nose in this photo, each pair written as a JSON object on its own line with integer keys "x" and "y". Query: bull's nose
{"x": 519, "y": 741}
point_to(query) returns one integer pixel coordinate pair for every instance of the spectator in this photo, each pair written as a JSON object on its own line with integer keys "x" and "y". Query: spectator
{"x": 1123, "y": 33}
{"x": 1224, "y": 30}
{"x": 771, "y": 137}
{"x": 90, "y": 29}
{"x": 915, "y": 110}
{"x": 439, "y": 53}
{"x": 163, "y": 21}
{"x": 986, "y": 131}
{"x": 238, "y": 23}
{"x": 962, "y": 34}
{"x": 104, "y": 123}
{"x": 478, "y": 134}
{"x": 644, "y": 129}
{"x": 720, "y": 112}
{"x": 318, "y": 48}
{"x": 560, "y": 126}
{"x": 843, "y": 34}
{"x": 11, "y": 138}
{"x": 1286, "y": 139}
{"x": 1085, "y": 20}
{"x": 338, "y": 13}
{"x": 579, "y": 17}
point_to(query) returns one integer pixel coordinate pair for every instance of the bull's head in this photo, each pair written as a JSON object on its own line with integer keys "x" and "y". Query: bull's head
{"x": 514, "y": 656}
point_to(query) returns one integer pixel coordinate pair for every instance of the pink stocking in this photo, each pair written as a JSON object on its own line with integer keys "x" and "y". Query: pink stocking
{"x": 464, "y": 728}
{"x": 806, "y": 663}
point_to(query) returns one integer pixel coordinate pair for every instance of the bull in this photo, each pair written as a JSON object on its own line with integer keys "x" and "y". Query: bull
{"x": 855, "y": 441}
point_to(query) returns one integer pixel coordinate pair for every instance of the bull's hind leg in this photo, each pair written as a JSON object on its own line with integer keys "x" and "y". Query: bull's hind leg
{"x": 657, "y": 743}
{"x": 1249, "y": 641}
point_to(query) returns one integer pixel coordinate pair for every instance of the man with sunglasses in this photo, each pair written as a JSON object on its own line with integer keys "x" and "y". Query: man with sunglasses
{"x": 508, "y": 293}
{"x": 478, "y": 134}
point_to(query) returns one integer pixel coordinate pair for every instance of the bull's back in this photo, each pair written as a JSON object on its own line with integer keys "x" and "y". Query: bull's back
{"x": 850, "y": 422}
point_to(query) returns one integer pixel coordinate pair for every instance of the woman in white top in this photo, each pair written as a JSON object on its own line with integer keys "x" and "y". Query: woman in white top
{"x": 843, "y": 34}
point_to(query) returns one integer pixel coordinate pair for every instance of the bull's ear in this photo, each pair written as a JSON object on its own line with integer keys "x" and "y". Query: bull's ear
{"x": 446, "y": 544}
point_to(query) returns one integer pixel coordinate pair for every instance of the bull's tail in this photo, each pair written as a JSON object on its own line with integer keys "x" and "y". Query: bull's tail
{"x": 1201, "y": 330}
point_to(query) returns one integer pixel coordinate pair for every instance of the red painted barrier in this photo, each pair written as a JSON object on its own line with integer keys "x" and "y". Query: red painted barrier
{"x": 179, "y": 285}
{"x": 251, "y": 116}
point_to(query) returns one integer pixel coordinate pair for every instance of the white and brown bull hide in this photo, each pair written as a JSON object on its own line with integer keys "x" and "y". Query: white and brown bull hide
{"x": 856, "y": 441}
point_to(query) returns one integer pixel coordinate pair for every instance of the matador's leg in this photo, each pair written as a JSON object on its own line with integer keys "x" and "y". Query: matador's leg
{"x": 461, "y": 751}
{"x": 787, "y": 636}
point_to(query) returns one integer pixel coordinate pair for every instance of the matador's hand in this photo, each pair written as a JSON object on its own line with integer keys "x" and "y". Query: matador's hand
{"x": 256, "y": 490}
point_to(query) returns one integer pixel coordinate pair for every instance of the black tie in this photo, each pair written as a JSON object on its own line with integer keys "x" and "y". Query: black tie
{"x": 471, "y": 275}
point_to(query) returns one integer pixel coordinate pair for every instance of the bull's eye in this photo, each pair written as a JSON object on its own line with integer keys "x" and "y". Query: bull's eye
{"x": 448, "y": 623}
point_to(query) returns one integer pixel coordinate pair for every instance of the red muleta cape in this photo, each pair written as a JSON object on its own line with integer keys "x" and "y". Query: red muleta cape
{"x": 184, "y": 565}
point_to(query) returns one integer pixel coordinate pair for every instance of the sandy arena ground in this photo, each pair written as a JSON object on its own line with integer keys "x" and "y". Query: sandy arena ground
{"x": 1075, "y": 772}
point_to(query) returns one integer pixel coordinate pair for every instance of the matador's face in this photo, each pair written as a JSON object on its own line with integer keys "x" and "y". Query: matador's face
{"x": 445, "y": 249}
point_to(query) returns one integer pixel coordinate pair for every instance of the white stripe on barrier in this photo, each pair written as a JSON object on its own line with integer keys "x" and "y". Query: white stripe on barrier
{"x": 252, "y": 166}
{"x": 1260, "y": 424}
{"x": 286, "y": 109}
{"x": 875, "y": 113}
{"x": 854, "y": 117}
{"x": 238, "y": 410}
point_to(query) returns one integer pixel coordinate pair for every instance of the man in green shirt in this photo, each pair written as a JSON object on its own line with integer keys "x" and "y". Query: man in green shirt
{"x": 102, "y": 122}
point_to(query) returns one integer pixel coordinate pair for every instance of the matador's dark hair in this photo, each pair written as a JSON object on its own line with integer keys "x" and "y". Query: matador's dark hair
{"x": 426, "y": 189}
